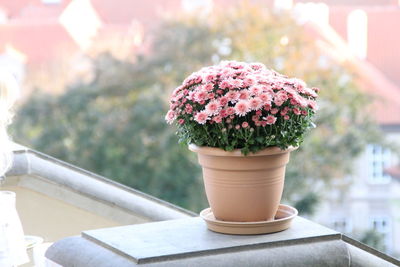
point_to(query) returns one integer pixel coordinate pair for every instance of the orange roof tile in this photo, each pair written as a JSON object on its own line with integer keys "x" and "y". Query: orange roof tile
{"x": 14, "y": 7}
{"x": 383, "y": 40}
{"x": 127, "y": 10}
{"x": 40, "y": 43}
{"x": 386, "y": 95}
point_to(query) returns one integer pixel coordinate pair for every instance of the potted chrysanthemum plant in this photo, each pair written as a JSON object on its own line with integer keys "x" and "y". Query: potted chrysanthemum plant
{"x": 243, "y": 120}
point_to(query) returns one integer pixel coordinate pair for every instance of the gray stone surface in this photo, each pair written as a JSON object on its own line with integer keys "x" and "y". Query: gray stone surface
{"x": 187, "y": 242}
{"x": 77, "y": 251}
{"x": 187, "y": 237}
{"x": 34, "y": 164}
{"x": 358, "y": 250}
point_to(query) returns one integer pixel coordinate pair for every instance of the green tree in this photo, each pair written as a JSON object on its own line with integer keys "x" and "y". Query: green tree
{"x": 115, "y": 127}
{"x": 114, "y": 124}
{"x": 373, "y": 239}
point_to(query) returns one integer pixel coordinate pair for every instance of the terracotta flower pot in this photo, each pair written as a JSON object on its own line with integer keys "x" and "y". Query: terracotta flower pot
{"x": 243, "y": 188}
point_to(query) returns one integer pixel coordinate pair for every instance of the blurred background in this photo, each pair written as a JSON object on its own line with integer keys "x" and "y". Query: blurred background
{"x": 96, "y": 76}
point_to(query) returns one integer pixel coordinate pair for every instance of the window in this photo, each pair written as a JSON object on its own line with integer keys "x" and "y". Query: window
{"x": 379, "y": 158}
{"x": 342, "y": 225}
{"x": 382, "y": 224}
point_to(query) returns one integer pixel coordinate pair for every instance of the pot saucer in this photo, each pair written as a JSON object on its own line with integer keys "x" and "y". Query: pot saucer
{"x": 282, "y": 221}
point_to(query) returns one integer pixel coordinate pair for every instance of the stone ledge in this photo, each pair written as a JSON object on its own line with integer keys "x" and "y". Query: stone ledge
{"x": 184, "y": 238}
{"x": 187, "y": 242}
{"x": 46, "y": 168}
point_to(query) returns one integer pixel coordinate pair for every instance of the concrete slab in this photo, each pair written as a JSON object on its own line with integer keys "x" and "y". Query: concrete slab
{"x": 176, "y": 239}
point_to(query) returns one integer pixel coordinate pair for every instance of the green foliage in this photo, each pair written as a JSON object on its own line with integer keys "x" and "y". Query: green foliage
{"x": 307, "y": 204}
{"x": 373, "y": 239}
{"x": 251, "y": 139}
{"x": 115, "y": 129}
{"x": 115, "y": 125}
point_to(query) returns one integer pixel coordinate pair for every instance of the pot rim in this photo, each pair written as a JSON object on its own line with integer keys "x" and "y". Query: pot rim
{"x": 219, "y": 152}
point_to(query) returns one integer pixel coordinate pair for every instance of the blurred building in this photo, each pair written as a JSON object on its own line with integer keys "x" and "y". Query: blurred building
{"x": 46, "y": 42}
{"x": 366, "y": 34}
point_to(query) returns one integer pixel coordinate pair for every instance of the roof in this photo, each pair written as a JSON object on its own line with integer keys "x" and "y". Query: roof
{"x": 34, "y": 30}
{"x": 32, "y": 8}
{"x": 354, "y": 2}
{"x": 14, "y": 7}
{"x": 40, "y": 42}
{"x": 382, "y": 44}
{"x": 125, "y": 11}
{"x": 385, "y": 93}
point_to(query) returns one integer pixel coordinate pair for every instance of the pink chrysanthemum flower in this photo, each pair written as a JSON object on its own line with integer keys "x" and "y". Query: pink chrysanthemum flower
{"x": 242, "y": 107}
{"x": 208, "y": 87}
{"x": 224, "y": 84}
{"x": 235, "y": 83}
{"x": 265, "y": 98}
{"x": 312, "y": 104}
{"x": 209, "y": 77}
{"x": 188, "y": 109}
{"x": 298, "y": 84}
{"x": 201, "y": 117}
{"x": 255, "y": 103}
{"x": 232, "y": 96}
{"x": 217, "y": 119}
{"x": 223, "y": 113}
{"x": 270, "y": 119}
{"x": 285, "y": 111}
{"x": 282, "y": 95}
{"x": 211, "y": 96}
{"x": 267, "y": 107}
{"x": 230, "y": 111}
{"x": 244, "y": 94}
{"x": 223, "y": 101}
{"x": 170, "y": 117}
{"x": 257, "y": 66}
{"x": 249, "y": 81}
{"x": 213, "y": 107}
{"x": 315, "y": 89}
{"x": 274, "y": 111}
{"x": 255, "y": 90}
{"x": 294, "y": 102}
{"x": 255, "y": 118}
{"x": 310, "y": 92}
{"x": 200, "y": 96}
